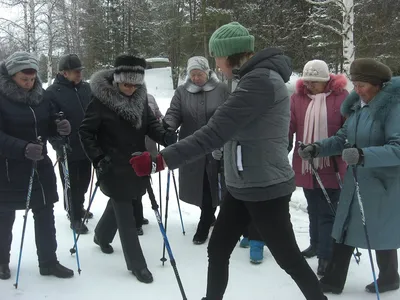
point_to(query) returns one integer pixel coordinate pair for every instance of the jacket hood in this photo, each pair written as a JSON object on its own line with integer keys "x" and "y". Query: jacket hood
{"x": 10, "y": 90}
{"x": 336, "y": 84}
{"x": 269, "y": 58}
{"x": 129, "y": 108}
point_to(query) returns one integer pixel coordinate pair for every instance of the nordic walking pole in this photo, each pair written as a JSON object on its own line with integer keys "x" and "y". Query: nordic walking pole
{"x": 356, "y": 255}
{"x": 73, "y": 250}
{"x": 67, "y": 192}
{"x": 28, "y": 202}
{"x": 179, "y": 205}
{"x": 154, "y": 206}
{"x": 163, "y": 259}
{"x": 159, "y": 184}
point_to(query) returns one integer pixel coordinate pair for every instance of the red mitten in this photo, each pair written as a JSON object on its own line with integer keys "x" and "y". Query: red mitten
{"x": 144, "y": 165}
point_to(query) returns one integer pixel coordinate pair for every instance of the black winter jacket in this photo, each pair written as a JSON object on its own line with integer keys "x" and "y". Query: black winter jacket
{"x": 116, "y": 126}
{"x": 72, "y": 100}
{"x": 24, "y": 116}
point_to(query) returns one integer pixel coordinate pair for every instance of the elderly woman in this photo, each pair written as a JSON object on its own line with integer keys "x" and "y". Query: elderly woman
{"x": 192, "y": 106}
{"x": 27, "y": 120}
{"x": 115, "y": 126}
{"x": 315, "y": 115}
{"x": 369, "y": 143}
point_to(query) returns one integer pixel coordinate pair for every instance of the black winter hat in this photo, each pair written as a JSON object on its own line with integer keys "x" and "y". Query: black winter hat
{"x": 129, "y": 69}
{"x": 70, "y": 62}
{"x": 370, "y": 70}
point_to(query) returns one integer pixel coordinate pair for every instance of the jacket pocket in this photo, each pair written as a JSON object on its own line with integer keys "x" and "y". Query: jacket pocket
{"x": 234, "y": 158}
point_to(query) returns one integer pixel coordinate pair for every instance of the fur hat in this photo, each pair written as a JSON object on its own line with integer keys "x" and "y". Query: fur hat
{"x": 316, "y": 70}
{"x": 370, "y": 70}
{"x": 129, "y": 69}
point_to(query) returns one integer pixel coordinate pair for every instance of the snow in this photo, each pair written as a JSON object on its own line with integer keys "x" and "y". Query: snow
{"x": 105, "y": 276}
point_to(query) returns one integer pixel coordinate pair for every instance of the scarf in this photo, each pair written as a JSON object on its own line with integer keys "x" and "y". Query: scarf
{"x": 315, "y": 129}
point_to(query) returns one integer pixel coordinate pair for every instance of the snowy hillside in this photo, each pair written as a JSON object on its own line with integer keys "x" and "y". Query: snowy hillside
{"x": 105, "y": 277}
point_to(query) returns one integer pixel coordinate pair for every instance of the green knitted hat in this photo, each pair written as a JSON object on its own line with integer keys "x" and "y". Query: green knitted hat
{"x": 231, "y": 39}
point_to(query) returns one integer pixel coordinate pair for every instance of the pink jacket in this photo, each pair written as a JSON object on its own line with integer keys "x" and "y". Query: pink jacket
{"x": 298, "y": 107}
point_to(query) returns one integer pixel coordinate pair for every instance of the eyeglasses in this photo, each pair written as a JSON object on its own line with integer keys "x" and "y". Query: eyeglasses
{"x": 131, "y": 86}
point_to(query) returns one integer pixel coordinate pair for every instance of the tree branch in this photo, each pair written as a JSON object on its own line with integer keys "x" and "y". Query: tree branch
{"x": 330, "y": 27}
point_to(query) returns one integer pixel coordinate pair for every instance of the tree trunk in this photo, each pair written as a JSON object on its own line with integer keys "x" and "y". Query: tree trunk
{"x": 348, "y": 35}
{"x": 204, "y": 23}
{"x": 50, "y": 37}
{"x": 27, "y": 31}
{"x": 32, "y": 27}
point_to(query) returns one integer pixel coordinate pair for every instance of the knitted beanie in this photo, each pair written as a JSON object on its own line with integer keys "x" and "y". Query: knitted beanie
{"x": 198, "y": 63}
{"x": 129, "y": 69}
{"x": 370, "y": 70}
{"x": 229, "y": 39}
{"x": 20, "y": 61}
{"x": 316, "y": 70}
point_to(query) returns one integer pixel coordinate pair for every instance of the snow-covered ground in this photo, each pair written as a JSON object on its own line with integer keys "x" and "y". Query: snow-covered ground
{"x": 105, "y": 277}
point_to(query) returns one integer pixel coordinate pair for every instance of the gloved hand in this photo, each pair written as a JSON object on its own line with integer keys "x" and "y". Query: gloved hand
{"x": 170, "y": 137}
{"x": 307, "y": 152}
{"x": 144, "y": 164}
{"x": 34, "y": 151}
{"x": 103, "y": 166}
{"x": 353, "y": 156}
{"x": 58, "y": 143}
{"x": 217, "y": 154}
{"x": 63, "y": 127}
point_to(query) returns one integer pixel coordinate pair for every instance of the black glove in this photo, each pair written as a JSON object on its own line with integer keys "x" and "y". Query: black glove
{"x": 170, "y": 137}
{"x": 58, "y": 143}
{"x": 102, "y": 165}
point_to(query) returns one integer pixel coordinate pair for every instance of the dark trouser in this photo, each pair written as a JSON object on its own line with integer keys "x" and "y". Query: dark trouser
{"x": 138, "y": 211}
{"x": 272, "y": 220}
{"x": 321, "y": 219}
{"x": 79, "y": 176}
{"x": 119, "y": 215}
{"x": 45, "y": 235}
{"x": 207, "y": 209}
{"x": 336, "y": 273}
{"x": 252, "y": 233}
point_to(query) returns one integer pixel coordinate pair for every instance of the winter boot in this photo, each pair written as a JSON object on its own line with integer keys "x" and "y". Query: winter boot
{"x": 256, "y": 252}
{"x": 201, "y": 234}
{"x": 89, "y": 215}
{"x": 322, "y": 264}
{"x": 105, "y": 248}
{"x": 244, "y": 243}
{"x": 57, "y": 270}
{"x": 145, "y": 221}
{"x": 382, "y": 286}
{"x": 309, "y": 252}
{"x": 139, "y": 231}
{"x": 5, "y": 272}
{"x": 143, "y": 275}
{"x": 79, "y": 227}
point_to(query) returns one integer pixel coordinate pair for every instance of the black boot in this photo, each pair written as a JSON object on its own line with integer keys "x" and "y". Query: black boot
{"x": 309, "y": 252}
{"x": 143, "y": 275}
{"x": 322, "y": 265}
{"x": 105, "y": 248}
{"x": 201, "y": 234}
{"x": 388, "y": 272}
{"x": 145, "y": 221}
{"x": 89, "y": 215}
{"x": 57, "y": 270}
{"x": 5, "y": 272}
{"x": 336, "y": 270}
{"x": 79, "y": 227}
{"x": 139, "y": 231}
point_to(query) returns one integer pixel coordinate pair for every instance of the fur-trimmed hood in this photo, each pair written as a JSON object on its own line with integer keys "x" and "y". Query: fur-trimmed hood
{"x": 336, "y": 84}
{"x": 129, "y": 108}
{"x": 10, "y": 90}
{"x": 210, "y": 85}
{"x": 380, "y": 105}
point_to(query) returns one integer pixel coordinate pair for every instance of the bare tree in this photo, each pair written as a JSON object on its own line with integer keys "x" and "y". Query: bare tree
{"x": 343, "y": 27}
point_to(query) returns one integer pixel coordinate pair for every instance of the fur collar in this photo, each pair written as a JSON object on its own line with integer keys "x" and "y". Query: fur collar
{"x": 336, "y": 85}
{"x": 128, "y": 108}
{"x": 380, "y": 105}
{"x": 10, "y": 90}
{"x": 210, "y": 85}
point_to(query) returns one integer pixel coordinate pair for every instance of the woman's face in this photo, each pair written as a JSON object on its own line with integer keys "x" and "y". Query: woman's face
{"x": 366, "y": 90}
{"x": 127, "y": 89}
{"x": 223, "y": 65}
{"x": 315, "y": 87}
{"x": 198, "y": 77}
{"x": 25, "y": 81}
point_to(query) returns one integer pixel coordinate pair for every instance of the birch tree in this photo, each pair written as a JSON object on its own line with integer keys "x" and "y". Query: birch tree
{"x": 343, "y": 27}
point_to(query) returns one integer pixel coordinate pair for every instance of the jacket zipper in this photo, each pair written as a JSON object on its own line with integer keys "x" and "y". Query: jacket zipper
{"x": 7, "y": 172}
{"x": 37, "y": 173}
{"x": 79, "y": 100}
